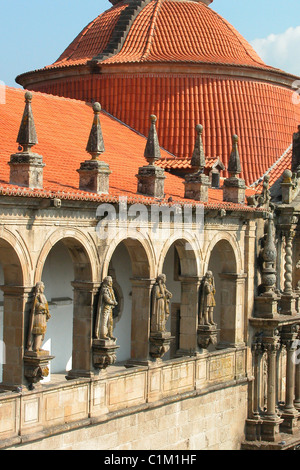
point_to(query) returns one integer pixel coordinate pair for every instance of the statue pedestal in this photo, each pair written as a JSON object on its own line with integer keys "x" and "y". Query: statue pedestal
{"x": 266, "y": 306}
{"x": 36, "y": 366}
{"x": 288, "y": 304}
{"x": 160, "y": 344}
{"x": 206, "y": 335}
{"x": 104, "y": 353}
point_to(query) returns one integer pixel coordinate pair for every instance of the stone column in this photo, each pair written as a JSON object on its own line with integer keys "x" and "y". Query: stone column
{"x": 297, "y": 380}
{"x": 290, "y": 414}
{"x": 140, "y": 320}
{"x": 271, "y": 421}
{"x": 188, "y": 314}
{"x": 232, "y": 315}
{"x": 253, "y": 423}
{"x": 17, "y": 305}
{"x": 288, "y": 300}
{"x": 83, "y": 329}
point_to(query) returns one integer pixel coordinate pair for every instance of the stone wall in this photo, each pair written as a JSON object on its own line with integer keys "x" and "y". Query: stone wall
{"x": 214, "y": 421}
{"x": 188, "y": 403}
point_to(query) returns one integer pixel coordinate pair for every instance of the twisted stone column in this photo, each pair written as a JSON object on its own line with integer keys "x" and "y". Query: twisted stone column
{"x": 288, "y": 275}
{"x": 288, "y": 301}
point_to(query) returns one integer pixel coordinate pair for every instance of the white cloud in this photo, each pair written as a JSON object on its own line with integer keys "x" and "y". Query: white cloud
{"x": 281, "y": 50}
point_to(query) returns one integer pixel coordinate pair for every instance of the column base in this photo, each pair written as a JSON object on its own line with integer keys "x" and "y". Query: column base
{"x": 290, "y": 421}
{"x": 79, "y": 374}
{"x": 270, "y": 429}
{"x": 253, "y": 429}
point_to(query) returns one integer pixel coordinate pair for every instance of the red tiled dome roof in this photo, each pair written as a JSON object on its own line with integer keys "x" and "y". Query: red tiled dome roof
{"x": 199, "y": 35}
{"x": 179, "y": 60}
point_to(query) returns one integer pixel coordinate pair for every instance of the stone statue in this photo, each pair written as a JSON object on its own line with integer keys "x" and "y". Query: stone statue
{"x": 160, "y": 305}
{"x": 38, "y": 319}
{"x": 296, "y": 151}
{"x": 106, "y": 304}
{"x": 207, "y": 300}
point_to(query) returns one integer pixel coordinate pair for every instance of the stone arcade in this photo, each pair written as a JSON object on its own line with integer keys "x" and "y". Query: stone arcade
{"x": 142, "y": 305}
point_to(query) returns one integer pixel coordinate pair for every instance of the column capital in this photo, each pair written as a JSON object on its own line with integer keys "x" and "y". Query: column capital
{"x": 16, "y": 290}
{"x": 142, "y": 282}
{"x": 88, "y": 286}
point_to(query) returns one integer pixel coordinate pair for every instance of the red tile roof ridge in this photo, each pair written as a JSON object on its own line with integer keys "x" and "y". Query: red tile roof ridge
{"x": 272, "y": 168}
{"x": 47, "y": 95}
{"x": 16, "y": 191}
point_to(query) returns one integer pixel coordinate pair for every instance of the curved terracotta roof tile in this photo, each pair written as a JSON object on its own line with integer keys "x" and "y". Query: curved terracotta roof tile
{"x": 199, "y": 35}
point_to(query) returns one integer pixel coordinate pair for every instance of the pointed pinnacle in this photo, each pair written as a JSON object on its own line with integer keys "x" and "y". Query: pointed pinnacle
{"x": 27, "y": 134}
{"x": 234, "y": 165}
{"x": 95, "y": 145}
{"x": 152, "y": 150}
{"x": 198, "y": 158}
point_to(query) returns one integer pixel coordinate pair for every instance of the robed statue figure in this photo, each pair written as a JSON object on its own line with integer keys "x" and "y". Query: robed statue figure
{"x": 39, "y": 317}
{"x": 104, "y": 319}
{"x": 207, "y": 300}
{"x": 160, "y": 305}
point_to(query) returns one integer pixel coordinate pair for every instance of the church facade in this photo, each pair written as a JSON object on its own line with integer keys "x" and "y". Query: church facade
{"x": 150, "y": 268}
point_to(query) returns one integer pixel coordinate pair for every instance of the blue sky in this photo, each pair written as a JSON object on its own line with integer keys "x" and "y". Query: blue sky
{"x": 34, "y": 33}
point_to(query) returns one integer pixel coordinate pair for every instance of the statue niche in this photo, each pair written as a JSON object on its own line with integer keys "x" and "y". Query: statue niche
{"x": 160, "y": 339}
{"x": 36, "y": 359}
{"x": 104, "y": 344}
{"x": 207, "y": 328}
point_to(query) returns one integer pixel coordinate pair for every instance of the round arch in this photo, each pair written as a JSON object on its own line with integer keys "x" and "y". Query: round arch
{"x": 82, "y": 252}
{"x": 188, "y": 251}
{"x": 15, "y": 279}
{"x": 141, "y": 254}
{"x": 180, "y": 260}
{"x": 130, "y": 262}
{"x": 230, "y": 245}
{"x": 224, "y": 261}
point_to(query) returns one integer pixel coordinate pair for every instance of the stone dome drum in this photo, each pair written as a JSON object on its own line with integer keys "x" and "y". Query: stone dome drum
{"x": 184, "y": 63}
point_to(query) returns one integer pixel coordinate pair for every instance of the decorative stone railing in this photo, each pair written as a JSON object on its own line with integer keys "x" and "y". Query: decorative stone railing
{"x": 63, "y": 405}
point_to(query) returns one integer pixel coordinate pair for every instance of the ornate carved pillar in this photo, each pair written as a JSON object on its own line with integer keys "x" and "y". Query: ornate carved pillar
{"x": 290, "y": 414}
{"x": 271, "y": 421}
{"x": 288, "y": 300}
{"x": 83, "y": 325}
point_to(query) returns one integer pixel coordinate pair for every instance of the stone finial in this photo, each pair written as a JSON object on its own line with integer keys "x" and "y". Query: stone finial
{"x": 151, "y": 177}
{"x": 94, "y": 174}
{"x": 26, "y": 167}
{"x": 234, "y": 189}
{"x": 234, "y": 164}
{"x": 152, "y": 150}
{"x": 198, "y": 158}
{"x": 27, "y": 137}
{"x": 95, "y": 145}
{"x": 196, "y": 184}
